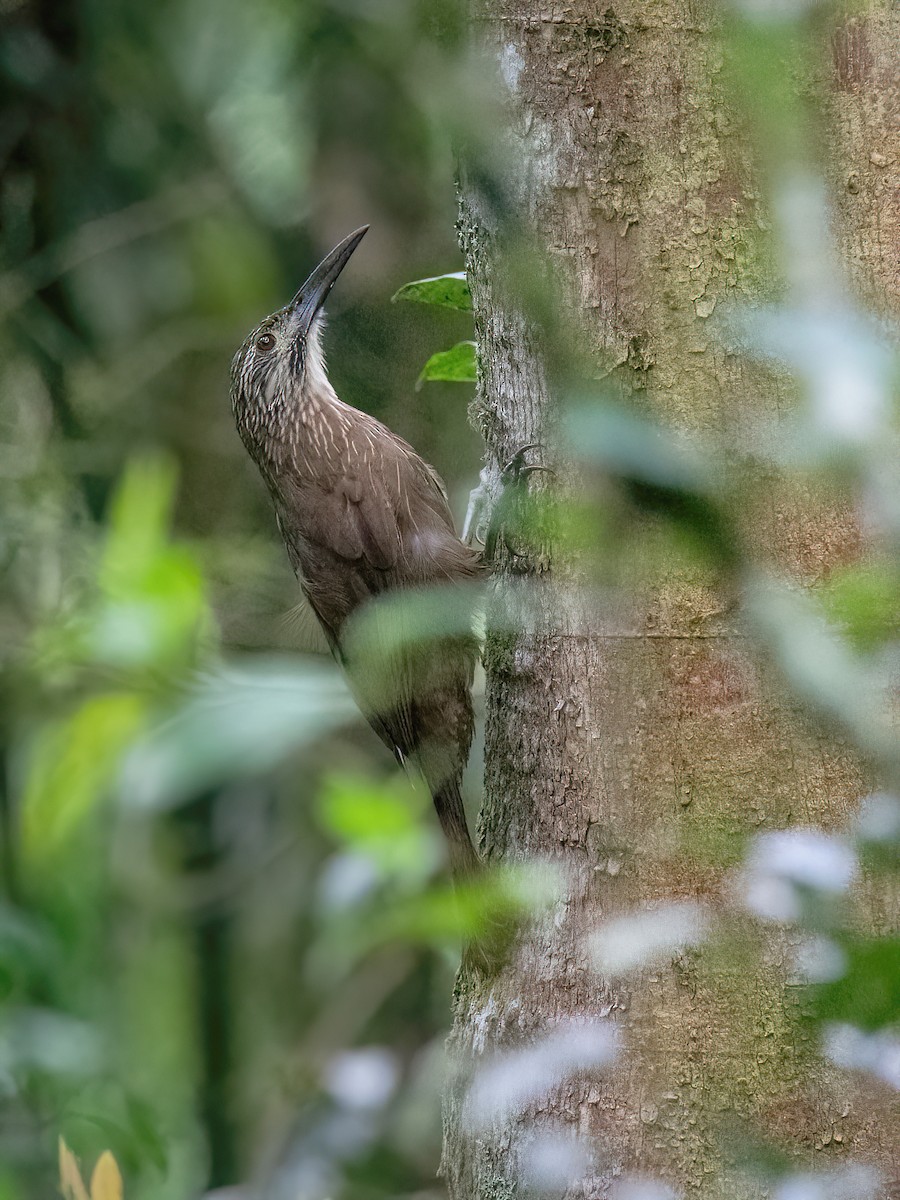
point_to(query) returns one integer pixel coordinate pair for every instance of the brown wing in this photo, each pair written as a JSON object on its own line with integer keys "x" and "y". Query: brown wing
{"x": 338, "y": 517}
{"x": 381, "y": 522}
{"x": 377, "y": 520}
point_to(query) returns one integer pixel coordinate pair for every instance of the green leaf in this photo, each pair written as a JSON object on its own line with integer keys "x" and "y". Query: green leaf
{"x": 145, "y": 1132}
{"x": 153, "y": 610}
{"x": 868, "y": 993}
{"x": 141, "y": 513}
{"x": 627, "y": 444}
{"x": 385, "y": 824}
{"x": 26, "y": 947}
{"x": 396, "y": 623}
{"x": 862, "y": 600}
{"x": 446, "y": 291}
{"x": 359, "y": 811}
{"x": 458, "y": 365}
{"x": 73, "y": 764}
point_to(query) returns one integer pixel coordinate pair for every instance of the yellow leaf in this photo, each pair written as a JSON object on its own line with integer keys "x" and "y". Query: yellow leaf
{"x": 106, "y": 1181}
{"x": 70, "y": 1182}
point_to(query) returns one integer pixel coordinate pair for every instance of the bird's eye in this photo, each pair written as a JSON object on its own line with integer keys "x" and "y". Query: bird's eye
{"x": 265, "y": 341}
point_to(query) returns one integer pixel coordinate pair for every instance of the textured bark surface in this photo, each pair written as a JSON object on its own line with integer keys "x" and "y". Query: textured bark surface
{"x": 635, "y": 743}
{"x": 865, "y": 130}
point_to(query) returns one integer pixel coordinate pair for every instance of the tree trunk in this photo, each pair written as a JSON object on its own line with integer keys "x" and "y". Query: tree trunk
{"x": 636, "y": 742}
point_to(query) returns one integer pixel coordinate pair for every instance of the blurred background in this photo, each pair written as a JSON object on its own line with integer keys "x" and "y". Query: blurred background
{"x": 184, "y": 962}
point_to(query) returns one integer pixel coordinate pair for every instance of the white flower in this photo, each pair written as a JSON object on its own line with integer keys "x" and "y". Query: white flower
{"x": 853, "y": 1048}
{"x": 640, "y": 938}
{"x": 879, "y": 818}
{"x": 639, "y": 1188}
{"x": 553, "y": 1160}
{"x": 781, "y": 865}
{"x": 819, "y": 960}
{"x": 853, "y": 1182}
{"x": 512, "y": 1081}
{"x": 362, "y": 1079}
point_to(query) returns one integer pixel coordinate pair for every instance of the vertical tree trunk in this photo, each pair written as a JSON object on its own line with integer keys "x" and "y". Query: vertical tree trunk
{"x": 865, "y": 137}
{"x": 636, "y": 744}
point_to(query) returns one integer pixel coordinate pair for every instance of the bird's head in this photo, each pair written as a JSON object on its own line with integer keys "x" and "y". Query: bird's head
{"x": 280, "y": 366}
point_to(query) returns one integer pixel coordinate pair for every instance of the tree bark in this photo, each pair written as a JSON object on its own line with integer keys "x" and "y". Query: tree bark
{"x": 636, "y": 741}
{"x": 864, "y": 130}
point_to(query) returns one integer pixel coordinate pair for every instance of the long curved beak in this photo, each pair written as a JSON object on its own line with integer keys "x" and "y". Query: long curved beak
{"x": 314, "y": 292}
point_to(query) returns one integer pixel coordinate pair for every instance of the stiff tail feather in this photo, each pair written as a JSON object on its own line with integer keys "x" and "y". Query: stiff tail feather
{"x": 464, "y": 861}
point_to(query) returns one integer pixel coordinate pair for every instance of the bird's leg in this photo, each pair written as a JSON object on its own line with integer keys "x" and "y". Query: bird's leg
{"x": 478, "y": 512}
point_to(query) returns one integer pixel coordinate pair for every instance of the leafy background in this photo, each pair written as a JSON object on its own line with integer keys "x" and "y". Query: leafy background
{"x": 213, "y": 880}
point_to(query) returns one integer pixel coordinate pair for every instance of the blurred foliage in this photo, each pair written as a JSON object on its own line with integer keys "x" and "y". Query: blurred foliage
{"x": 867, "y": 994}
{"x": 227, "y": 937}
{"x": 195, "y": 918}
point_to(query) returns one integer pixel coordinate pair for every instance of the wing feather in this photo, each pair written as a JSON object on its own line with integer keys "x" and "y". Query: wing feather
{"x": 374, "y": 521}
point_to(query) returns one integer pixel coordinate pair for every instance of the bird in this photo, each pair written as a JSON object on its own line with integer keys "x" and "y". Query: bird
{"x": 363, "y": 518}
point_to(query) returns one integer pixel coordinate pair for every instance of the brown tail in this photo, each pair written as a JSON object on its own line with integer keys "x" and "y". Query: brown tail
{"x": 464, "y": 861}
{"x": 487, "y": 952}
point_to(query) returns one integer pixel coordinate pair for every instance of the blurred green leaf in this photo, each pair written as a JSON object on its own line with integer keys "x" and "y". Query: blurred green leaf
{"x": 233, "y": 264}
{"x": 235, "y": 724}
{"x": 44, "y": 1040}
{"x": 414, "y": 617}
{"x": 762, "y": 68}
{"x": 862, "y": 600}
{"x": 391, "y": 823}
{"x": 154, "y": 608}
{"x": 25, "y": 945}
{"x": 72, "y": 765}
{"x": 444, "y": 291}
{"x": 489, "y": 905}
{"x": 821, "y": 666}
{"x": 360, "y": 811}
{"x": 431, "y": 916}
{"x": 144, "y": 1127}
{"x": 660, "y": 476}
{"x": 397, "y": 627}
{"x": 8, "y": 1187}
{"x": 629, "y": 445}
{"x": 140, "y": 515}
{"x": 161, "y": 624}
{"x": 868, "y": 993}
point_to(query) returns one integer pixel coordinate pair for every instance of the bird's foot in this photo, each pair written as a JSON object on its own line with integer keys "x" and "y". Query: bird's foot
{"x": 517, "y": 468}
{"x": 489, "y": 503}
{"x": 509, "y": 509}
